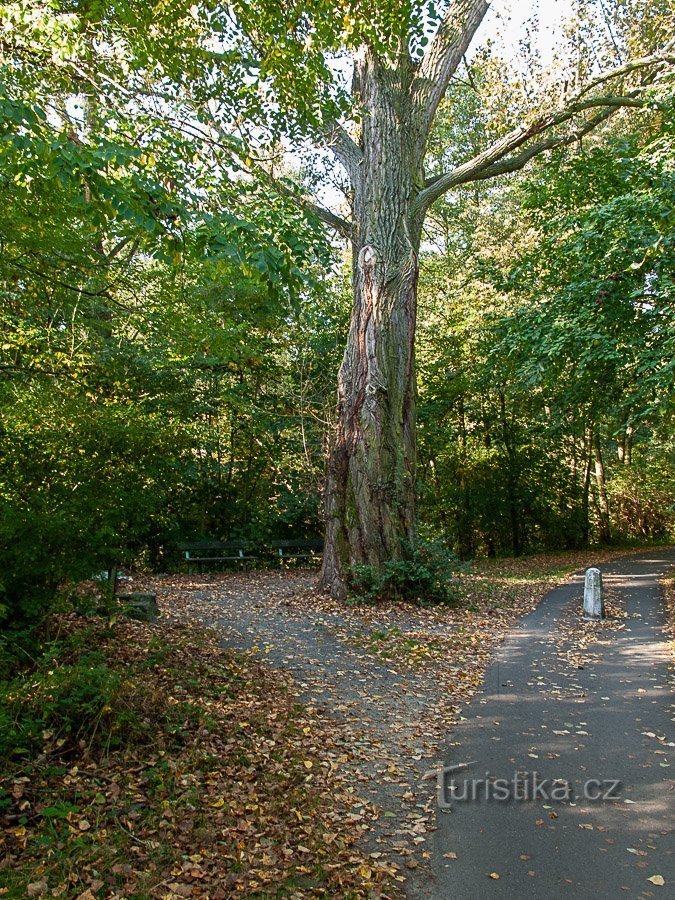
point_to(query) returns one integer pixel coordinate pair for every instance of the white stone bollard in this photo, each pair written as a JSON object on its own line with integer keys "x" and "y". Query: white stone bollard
{"x": 594, "y": 604}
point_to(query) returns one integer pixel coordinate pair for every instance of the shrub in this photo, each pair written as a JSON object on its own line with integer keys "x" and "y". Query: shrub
{"x": 70, "y": 695}
{"x": 423, "y": 575}
{"x": 642, "y": 497}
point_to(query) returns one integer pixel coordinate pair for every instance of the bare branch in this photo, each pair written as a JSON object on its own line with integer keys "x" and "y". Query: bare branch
{"x": 514, "y": 163}
{"x": 469, "y": 75}
{"x": 117, "y": 249}
{"x": 633, "y": 65}
{"x": 488, "y": 163}
{"x": 342, "y": 226}
{"x": 441, "y": 60}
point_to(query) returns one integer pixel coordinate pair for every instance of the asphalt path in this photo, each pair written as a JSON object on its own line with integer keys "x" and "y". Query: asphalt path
{"x": 544, "y": 725}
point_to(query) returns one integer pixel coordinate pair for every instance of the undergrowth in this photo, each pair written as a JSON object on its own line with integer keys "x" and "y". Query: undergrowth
{"x": 424, "y": 575}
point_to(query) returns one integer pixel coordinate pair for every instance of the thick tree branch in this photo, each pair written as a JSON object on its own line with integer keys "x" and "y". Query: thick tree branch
{"x": 345, "y": 150}
{"x": 516, "y": 162}
{"x": 437, "y": 186}
{"x": 487, "y": 164}
{"x": 441, "y": 60}
{"x": 342, "y": 226}
{"x": 496, "y": 160}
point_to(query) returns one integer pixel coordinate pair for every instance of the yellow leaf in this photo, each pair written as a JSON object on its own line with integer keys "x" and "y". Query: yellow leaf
{"x": 657, "y": 879}
{"x": 308, "y": 763}
{"x": 494, "y": 875}
{"x": 218, "y": 803}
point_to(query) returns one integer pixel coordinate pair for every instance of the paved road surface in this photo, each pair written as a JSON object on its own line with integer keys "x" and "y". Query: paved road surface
{"x": 608, "y": 720}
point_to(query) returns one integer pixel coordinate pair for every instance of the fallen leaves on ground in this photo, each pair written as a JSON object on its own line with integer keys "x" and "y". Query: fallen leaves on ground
{"x": 579, "y": 638}
{"x": 233, "y": 788}
{"x": 260, "y": 795}
{"x": 394, "y": 676}
{"x": 668, "y": 584}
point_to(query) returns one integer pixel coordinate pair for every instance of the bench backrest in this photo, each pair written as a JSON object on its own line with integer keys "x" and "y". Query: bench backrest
{"x": 314, "y": 544}
{"x": 191, "y": 546}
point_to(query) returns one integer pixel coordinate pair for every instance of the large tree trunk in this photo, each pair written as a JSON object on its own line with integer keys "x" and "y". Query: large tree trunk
{"x": 370, "y": 490}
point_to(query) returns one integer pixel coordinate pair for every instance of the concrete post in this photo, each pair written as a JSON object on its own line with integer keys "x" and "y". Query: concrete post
{"x": 594, "y": 604}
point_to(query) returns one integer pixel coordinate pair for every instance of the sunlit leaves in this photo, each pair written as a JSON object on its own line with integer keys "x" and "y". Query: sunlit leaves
{"x": 603, "y": 274}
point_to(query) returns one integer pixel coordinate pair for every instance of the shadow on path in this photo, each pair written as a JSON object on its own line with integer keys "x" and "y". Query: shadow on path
{"x": 609, "y": 720}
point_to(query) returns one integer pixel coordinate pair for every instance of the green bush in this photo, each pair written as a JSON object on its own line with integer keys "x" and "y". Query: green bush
{"x": 80, "y": 491}
{"x": 70, "y": 695}
{"x": 423, "y": 575}
{"x": 642, "y": 496}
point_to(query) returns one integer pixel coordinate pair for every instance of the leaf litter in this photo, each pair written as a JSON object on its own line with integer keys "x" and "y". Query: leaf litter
{"x": 305, "y": 727}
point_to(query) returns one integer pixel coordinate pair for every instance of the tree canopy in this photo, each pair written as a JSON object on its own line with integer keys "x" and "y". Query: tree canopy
{"x": 174, "y": 312}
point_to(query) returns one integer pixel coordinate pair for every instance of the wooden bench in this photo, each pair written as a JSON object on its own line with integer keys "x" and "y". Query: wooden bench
{"x": 198, "y": 554}
{"x": 303, "y": 549}
{"x": 201, "y": 553}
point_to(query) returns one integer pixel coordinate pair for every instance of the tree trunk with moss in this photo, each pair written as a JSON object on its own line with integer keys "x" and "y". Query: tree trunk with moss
{"x": 370, "y": 495}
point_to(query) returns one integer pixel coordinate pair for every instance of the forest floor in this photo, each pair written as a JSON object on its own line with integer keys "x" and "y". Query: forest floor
{"x": 275, "y": 740}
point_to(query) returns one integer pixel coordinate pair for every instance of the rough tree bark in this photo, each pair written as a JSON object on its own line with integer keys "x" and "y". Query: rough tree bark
{"x": 370, "y": 495}
{"x": 370, "y": 484}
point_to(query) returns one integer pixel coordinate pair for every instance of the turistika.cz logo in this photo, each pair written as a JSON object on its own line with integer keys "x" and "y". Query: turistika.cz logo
{"x": 522, "y": 787}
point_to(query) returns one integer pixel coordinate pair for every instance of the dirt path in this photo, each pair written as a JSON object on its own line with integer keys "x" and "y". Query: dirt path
{"x": 390, "y": 720}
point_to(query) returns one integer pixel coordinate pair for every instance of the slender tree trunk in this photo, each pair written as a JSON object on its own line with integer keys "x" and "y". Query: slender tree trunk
{"x": 625, "y": 444}
{"x": 585, "y": 496}
{"x": 628, "y": 453}
{"x": 465, "y": 544}
{"x": 601, "y": 487}
{"x": 511, "y": 479}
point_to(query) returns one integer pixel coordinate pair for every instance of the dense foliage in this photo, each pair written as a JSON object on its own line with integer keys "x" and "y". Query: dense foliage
{"x": 555, "y": 390}
{"x": 172, "y": 326}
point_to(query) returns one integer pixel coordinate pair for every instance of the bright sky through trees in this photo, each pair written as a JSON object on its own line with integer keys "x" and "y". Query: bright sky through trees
{"x": 507, "y": 22}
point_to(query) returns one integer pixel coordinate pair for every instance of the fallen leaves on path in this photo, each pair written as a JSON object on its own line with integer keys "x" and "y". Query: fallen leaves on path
{"x": 394, "y": 677}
